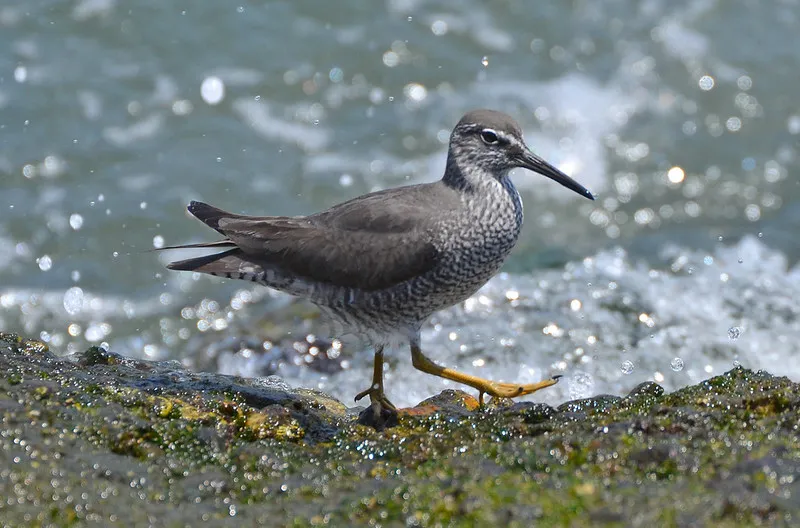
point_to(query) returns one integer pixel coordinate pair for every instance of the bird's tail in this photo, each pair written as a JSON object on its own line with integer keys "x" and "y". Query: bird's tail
{"x": 216, "y": 264}
{"x": 208, "y": 214}
{"x": 231, "y": 263}
{"x": 217, "y": 244}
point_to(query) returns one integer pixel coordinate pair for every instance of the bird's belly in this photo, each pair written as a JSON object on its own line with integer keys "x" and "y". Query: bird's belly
{"x": 464, "y": 265}
{"x": 402, "y": 309}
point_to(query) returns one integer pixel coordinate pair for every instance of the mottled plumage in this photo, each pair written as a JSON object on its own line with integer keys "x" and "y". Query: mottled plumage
{"x": 382, "y": 263}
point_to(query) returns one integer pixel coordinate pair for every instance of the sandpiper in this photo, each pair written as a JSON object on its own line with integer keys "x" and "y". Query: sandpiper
{"x": 381, "y": 264}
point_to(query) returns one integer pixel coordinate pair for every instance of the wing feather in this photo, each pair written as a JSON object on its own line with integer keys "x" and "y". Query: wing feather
{"x": 372, "y": 242}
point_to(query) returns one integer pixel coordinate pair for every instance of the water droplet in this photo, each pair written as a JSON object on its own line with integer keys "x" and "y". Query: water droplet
{"x": 45, "y": 262}
{"x": 336, "y": 75}
{"x": 415, "y": 92}
{"x": 439, "y": 27}
{"x": 75, "y": 221}
{"x": 485, "y": 60}
{"x": 20, "y": 74}
{"x": 626, "y": 367}
{"x": 676, "y": 364}
{"x": 734, "y": 332}
{"x": 73, "y": 300}
{"x": 96, "y": 332}
{"x": 706, "y": 83}
{"x": 212, "y": 90}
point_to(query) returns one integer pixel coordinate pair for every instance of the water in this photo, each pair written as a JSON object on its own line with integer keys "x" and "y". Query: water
{"x": 681, "y": 116}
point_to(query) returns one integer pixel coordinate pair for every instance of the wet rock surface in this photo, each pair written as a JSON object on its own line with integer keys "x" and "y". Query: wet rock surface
{"x": 97, "y": 437}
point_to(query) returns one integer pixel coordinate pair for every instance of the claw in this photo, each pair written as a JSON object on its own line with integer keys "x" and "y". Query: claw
{"x": 366, "y": 392}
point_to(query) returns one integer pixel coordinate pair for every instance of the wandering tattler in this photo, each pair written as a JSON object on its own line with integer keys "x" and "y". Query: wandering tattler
{"x": 379, "y": 265}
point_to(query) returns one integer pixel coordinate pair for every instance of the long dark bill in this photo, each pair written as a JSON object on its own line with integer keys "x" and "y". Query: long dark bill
{"x": 533, "y": 162}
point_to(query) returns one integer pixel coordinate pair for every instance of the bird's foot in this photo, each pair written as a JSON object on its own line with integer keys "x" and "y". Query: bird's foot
{"x": 376, "y": 395}
{"x": 498, "y": 389}
{"x": 381, "y": 413}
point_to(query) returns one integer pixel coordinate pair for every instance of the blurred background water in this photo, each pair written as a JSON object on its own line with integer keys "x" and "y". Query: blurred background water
{"x": 681, "y": 116}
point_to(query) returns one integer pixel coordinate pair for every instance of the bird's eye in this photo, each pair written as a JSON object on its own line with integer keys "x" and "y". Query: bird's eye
{"x": 489, "y": 136}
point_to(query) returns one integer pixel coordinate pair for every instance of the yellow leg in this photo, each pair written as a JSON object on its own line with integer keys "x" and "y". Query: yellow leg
{"x": 484, "y": 386}
{"x": 375, "y": 391}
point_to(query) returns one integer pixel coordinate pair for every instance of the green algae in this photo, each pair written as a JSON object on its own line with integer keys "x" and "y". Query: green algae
{"x": 132, "y": 442}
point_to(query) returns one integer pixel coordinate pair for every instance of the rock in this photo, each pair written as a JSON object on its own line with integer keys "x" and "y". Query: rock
{"x": 100, "y": 438}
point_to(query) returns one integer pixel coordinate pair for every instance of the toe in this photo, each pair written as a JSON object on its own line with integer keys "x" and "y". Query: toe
{"x": 387, "y": 404}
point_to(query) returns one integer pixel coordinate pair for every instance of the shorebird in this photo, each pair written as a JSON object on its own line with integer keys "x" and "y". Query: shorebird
{"x": 381, "y": 264}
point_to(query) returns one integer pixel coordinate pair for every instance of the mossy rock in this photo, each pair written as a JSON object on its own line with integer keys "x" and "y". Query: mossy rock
{"x": 106, "y": 439}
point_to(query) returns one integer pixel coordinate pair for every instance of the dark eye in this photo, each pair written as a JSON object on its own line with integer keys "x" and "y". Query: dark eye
{"x": 489, "y": 136}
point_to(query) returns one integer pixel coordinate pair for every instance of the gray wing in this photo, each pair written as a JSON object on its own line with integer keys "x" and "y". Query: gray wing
{"x": 397, "y": 210}
{"x": 373, "y": 242}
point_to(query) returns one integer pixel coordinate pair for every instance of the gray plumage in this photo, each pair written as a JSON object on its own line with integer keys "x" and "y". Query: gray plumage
{"x": 382, "y": 263}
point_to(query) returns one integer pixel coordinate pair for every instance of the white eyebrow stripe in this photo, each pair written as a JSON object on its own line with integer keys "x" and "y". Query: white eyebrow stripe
{"x": 512, "y": 140}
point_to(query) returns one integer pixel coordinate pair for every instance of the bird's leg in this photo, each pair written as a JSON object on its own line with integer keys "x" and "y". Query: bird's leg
{"x": 375, "y": 391}
{"x": 484, "y": 386}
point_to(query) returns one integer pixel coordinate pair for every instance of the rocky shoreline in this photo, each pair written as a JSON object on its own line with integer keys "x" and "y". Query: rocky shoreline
{"x": 97, "y": 437}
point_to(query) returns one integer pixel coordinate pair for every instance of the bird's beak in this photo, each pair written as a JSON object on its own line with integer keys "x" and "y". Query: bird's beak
{"x": 531, "y": 161}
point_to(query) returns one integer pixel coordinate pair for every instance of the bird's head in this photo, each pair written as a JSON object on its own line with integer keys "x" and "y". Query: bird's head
{"x": 486, "y": 143}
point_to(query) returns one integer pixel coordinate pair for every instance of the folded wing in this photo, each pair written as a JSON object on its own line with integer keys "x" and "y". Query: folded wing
{"x": 320, "y": 248}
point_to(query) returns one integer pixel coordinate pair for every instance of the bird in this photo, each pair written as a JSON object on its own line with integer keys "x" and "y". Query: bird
{"x": 379, "y": 265}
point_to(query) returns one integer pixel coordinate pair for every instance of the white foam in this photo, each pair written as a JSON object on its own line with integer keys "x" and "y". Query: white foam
{"x": 142, "y": 129}
{"x": 87, "y": 9}
{"x": 259, "y": 116}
